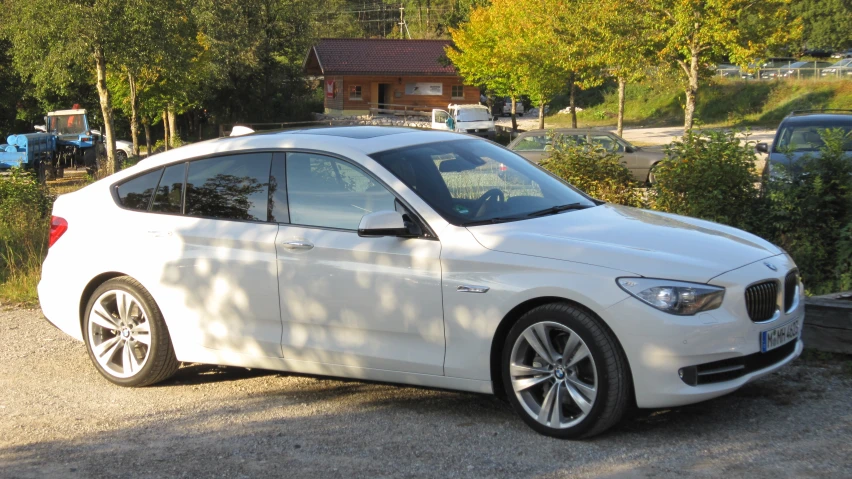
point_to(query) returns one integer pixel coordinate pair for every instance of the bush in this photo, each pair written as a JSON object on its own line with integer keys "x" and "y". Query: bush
{"x": 24, "y": 228}
{"x": 594, "y": 170}
{"x": 810, "y": 215}
{"x": 710, "y": 175}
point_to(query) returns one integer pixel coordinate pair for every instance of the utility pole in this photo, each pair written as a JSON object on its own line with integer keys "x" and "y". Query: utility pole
{"x": 402, "y": 24}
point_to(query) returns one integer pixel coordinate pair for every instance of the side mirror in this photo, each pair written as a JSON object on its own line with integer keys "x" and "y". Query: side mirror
{"x": 629, "y": 149}
{"x": 384, "y": 223}
{"x": 762, "y": 148}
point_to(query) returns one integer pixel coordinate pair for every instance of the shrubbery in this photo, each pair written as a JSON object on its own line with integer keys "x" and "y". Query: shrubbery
{"x": 596, "y": 171}
{"x": 710, "y": 175}
{"x": 24, "y": 227}
{"x": 810, "y": 214}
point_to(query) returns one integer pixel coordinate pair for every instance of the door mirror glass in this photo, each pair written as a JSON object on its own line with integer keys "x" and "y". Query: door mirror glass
{"x": 383, "y": 223}
{"x": 762, "y": 148}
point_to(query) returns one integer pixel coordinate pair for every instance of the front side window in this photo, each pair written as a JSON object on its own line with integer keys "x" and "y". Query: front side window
{"x": 327, "y": 192}
{"x": 808, "y": 137}
{"x": 532, "y": 143}
{"x": 136, "y": 193}
{"x": 608, "y": 143}
{"x": 475, "y": 181}
{"x": 168, "y": 198}
{"x": 355, "y": 92}
{"x": 229, "y": 187}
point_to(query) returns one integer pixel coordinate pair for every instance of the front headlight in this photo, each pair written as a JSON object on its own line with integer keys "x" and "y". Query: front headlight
{"x": 674, "y": 297}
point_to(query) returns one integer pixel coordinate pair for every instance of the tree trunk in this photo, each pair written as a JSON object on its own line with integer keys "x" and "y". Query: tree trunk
{"x": 514, "y": 117}
{"x": 134, "y": 113}
{"x": 172, "y": 127}
{"x": 572, "y": 104}
{"x": 147, "y": 125}
{"x": 691, "y": 93}
{"x": 541, "y": 116}
{"x": 622, "y": 84}
{"x": 166, "y": 130}
{"x": 106, "y": 109}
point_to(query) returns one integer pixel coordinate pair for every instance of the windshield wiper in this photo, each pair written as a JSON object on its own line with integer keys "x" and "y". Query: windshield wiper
{"x": 491, "y": 221}
{"x": 558, "y": 209}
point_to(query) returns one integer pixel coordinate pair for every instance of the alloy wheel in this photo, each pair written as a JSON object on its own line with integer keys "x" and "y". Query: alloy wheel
{"x": 119, "y": 333}
{"x": 553, "y": 375}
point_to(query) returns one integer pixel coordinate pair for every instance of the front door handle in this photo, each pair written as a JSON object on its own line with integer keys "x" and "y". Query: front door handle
{"x": 304, "y": 245}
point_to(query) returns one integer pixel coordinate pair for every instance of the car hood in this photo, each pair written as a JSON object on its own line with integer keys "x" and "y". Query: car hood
{"x": 641, "y": 242}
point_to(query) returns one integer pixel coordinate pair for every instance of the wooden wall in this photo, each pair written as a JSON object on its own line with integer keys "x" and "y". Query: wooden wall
{"x": 369, "y": 92}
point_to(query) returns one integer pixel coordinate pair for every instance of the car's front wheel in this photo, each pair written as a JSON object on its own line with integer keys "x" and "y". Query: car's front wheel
{"x": 564, "y": 373}
{"x": 126, "y": 335}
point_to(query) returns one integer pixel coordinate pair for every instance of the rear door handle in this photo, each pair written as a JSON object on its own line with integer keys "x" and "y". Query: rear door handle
{"x": 303, "y": 245}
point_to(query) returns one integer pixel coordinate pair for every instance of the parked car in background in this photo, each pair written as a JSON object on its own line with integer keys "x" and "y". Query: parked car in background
{"x": 399, "y": 255}
{"x": 727, "y": 70}
{"x": 536, "y": 145}
{"x": 507, "y": 107}
{"x": 471, "y": 119}
{"x": 842, "y": 54}
{"x": 771, "y": 67}
{"x": 803, "y": 69}
{"x": 840, "y": 68}
{"x": 799, "y": 135}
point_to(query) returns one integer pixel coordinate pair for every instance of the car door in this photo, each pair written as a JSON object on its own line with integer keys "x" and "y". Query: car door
{"x": 439, "y": 120}
{"x": 349, "y": 300}
{"x": 215, "y": 269}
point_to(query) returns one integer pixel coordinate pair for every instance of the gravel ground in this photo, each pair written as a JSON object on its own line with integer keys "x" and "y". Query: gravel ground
{"x": 59, "y": 418}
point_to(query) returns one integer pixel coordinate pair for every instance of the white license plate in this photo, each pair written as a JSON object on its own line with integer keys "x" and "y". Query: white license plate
{"x": 779, "y": 336}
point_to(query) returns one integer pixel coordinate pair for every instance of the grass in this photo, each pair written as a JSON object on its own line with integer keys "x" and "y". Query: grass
{"x": 24, "y": 231}
{"x": 721, "y": 102}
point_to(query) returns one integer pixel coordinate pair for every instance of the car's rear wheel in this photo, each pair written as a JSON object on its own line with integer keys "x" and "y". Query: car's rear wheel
{"x": 126, "y": 335}
{"x": 564, "y": 373}
{"x": 120, "y": 157}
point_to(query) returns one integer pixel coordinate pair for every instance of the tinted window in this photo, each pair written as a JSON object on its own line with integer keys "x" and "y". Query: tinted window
{"x": 608, "y": 143}
{"x": 331, "y": 193}
{"x": 136, "y": 193}
{"x": 229, "y": 187}
{"x": 168, "y": 197}
{"x": 472, "y": 181}
{"x": 278, "y": 209}
{"x": 531, "y": 143}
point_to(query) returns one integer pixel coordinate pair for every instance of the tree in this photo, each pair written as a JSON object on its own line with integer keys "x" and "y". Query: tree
{"x": 825, "y": 23}
{"x": 483, "y": 52}
{"x": 624, "y": 48}
{"x": 693, "y": 33}
{"x": 75, "y": 39}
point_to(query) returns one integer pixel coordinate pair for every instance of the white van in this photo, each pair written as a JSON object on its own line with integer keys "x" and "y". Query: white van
{"x": 471, "y": 119}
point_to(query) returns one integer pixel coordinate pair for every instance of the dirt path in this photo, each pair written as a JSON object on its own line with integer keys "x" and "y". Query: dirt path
{"x": 59, "y": 418}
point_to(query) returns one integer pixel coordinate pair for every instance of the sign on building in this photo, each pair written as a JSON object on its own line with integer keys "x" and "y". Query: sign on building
{"x": 424, "y": 88}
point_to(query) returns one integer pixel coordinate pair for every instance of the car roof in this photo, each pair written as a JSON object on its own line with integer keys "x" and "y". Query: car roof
{"x": 818, "y": 118}
{"x": 566, "y": 131}
{"x": 346, "y": 141}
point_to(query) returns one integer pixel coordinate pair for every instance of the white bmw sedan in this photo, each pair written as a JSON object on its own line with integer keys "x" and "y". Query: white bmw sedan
{"x": 425, "y": 258}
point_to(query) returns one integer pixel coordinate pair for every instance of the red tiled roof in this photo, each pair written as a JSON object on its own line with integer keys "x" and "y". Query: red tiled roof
{"x": 362, "y": 56}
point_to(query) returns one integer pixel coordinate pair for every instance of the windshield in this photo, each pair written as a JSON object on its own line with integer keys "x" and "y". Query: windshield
{"x": 473, "y": 114}
{"x": 800, "y": 64}
{"x": 67, "y": 124}
{"x": 473, "y": 181}
{"x": 843, "y": 63}
{"x": 808, "y": 137}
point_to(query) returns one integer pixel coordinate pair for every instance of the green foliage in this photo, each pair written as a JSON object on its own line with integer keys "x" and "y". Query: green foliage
{"x": 810, "y": 215}
{"x": 594, "y": 170}
{"x": 710, "y": 175}
{"x": 826, "y": 23}
{"x": 24, "y": 227}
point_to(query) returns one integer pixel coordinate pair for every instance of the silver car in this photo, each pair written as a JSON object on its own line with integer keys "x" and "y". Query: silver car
{"x": 536, "y": 145}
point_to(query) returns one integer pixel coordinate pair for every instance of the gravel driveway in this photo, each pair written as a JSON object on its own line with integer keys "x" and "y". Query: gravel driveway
{"x": 59, "y": 418}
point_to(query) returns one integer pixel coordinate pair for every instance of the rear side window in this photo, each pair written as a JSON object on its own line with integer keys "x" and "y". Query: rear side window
{"x": 168, "y": 198}
{"x": 229, "y": 187}
{"x": 136, "y": 194}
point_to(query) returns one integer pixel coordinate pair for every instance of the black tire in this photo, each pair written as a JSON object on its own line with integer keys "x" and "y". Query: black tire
{"x": 609, "y": 363}
{"x": 160, "y": 363}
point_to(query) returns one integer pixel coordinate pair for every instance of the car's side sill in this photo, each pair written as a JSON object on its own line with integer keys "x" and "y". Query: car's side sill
{"x": 225, "y": 358}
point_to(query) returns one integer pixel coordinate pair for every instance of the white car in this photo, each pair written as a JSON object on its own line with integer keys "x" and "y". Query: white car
{"x": 471, "y": 119}
{"x": 414, "y": 257}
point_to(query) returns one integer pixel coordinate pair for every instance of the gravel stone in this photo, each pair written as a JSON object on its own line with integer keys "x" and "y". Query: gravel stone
{"x": 60, "y": 418}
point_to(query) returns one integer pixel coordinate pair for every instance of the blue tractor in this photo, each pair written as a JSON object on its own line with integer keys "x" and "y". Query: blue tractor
{"x": 66, "y": 141}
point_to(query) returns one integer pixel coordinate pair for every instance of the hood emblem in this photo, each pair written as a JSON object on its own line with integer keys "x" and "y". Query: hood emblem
{"x": 770, "y": 266}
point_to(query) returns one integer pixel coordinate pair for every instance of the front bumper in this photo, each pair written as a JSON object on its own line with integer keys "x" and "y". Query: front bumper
{"x": 660, "y": 346}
